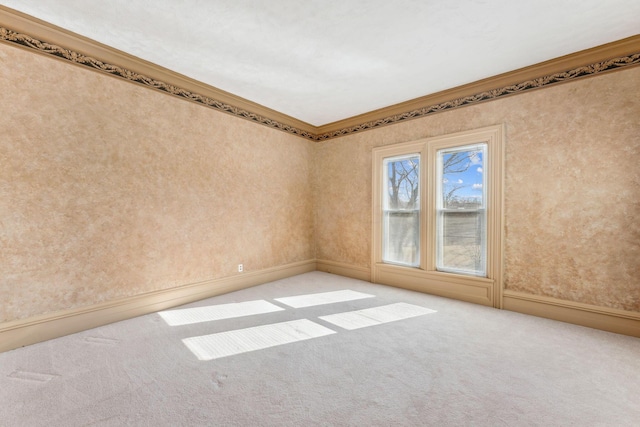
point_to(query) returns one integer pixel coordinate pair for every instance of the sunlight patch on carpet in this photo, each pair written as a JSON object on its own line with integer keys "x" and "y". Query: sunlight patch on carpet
{"x": 188, "y": 316}
{"x": 375, "y": 316}
{"x": 310, "y": 300}
{"x": 223, "y": 344}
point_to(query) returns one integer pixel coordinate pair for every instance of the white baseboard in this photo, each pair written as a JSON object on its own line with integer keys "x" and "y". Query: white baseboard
{"x": 592, "y": 316}
{"x": 343, "y": 269}
{"x": 28, "y": 331}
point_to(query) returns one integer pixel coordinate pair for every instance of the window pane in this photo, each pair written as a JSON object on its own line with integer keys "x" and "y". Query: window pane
{"x": 460, "y": 217}
{"x": 462, "y": 241}
{"x": 401, "y": 237}
{"x": 462, "y": 178}
{"x": 401, "y": 210}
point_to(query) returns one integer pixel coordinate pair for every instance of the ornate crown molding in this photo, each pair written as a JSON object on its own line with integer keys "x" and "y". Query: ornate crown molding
{"x": 612, "y": 56}
{"x": 537, "y": 83}
{"x": 80, "y": 59}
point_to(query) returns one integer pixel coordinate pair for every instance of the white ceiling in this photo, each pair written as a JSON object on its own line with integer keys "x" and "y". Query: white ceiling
{"x": 325, "y": 60}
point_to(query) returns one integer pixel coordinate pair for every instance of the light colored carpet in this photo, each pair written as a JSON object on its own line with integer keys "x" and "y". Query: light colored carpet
{"x": 445, "y": 363}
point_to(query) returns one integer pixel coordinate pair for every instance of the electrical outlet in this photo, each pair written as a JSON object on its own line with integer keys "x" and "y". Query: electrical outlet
{"x": 240, "y": 268}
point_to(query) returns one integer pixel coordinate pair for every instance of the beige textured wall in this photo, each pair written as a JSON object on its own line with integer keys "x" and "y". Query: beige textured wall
{"x": 572, "y": 188}
{"x": 108, "y": 189}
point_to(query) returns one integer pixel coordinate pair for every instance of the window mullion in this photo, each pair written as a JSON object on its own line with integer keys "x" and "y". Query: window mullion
{"x": 429, "y": 234}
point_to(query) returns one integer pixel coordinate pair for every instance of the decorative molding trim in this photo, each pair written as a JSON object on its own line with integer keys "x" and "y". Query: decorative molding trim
{"x": 28, "y": 32}
{"x": 77, "y": 58}
{"x": 344, "y": 269}
{"x": 486, "y": 95}
{"x": 38, "y": 36}
{"x": 592, "y": 316}
{"x": 19, "y": 333}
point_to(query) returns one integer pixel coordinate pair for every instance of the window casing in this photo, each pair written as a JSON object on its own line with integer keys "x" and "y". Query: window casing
{"x": 443, "y": 233}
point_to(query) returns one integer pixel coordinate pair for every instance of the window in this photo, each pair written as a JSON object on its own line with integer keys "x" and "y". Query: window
{"x": 461, "y": 243}
{"x": 401, "y": 210}
{"x": 437, "y": 215}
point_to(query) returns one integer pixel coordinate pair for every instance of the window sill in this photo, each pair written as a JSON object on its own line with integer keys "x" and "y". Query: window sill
{"x": 451, "y": 285}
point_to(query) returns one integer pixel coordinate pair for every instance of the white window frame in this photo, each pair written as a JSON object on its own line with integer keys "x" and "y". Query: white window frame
{"x": 426, "y": 277}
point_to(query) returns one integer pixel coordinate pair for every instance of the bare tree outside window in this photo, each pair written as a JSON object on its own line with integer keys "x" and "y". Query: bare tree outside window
{"x": 402, "y": 211}
{"x": 460, "y": 219}
{"x": 456, "y": 163}
{"x": 437, "y": 212}
{"x": 404, "y": 184}
{"x": 461, "y": 216}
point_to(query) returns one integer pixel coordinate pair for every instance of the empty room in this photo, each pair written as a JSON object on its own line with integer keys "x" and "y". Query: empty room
{"x": 319, "y": 213}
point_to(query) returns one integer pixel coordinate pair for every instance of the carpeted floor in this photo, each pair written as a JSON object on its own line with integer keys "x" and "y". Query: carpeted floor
{"x": 369, "y": 355}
